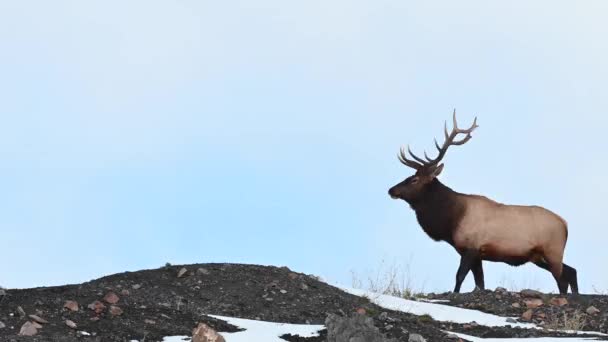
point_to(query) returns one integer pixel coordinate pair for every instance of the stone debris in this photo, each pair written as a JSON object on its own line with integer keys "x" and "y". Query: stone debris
{"x": 115, "y": 310}
{"x": 70, "y": 324}
{"x": 527, "y": 316}
{"x": 559, "y": 301}
{"x": 204, "y": 333}
{"x": 28, "y": 329}
{"x": 532, "y": 303}
{"x": 38, "y": 319}
{"x": 182, "y": 272}
{"x": 202, "y": 271}
{"x": 359, "y": 328}
{"x": 97, "y": 306}
{"x": 527, "y": 293}
{"x": 416, "y": 338}
{"x": 71, "y": 305}
{"x": 111, "y": 298}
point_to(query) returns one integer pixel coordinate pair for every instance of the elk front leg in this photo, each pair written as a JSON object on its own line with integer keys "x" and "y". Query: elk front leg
{"x": 466, "y": 262}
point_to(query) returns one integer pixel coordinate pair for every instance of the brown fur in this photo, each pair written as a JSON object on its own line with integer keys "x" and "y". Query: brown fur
{"x": 486, "y": 229}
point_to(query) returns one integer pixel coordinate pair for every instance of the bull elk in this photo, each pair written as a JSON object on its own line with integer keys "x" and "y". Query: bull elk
{"x": 480, "y": 228}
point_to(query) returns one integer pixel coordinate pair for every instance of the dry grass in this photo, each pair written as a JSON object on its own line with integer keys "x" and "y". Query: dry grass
{"x": 575, "y": 320}
{"x": 392, "y": 280}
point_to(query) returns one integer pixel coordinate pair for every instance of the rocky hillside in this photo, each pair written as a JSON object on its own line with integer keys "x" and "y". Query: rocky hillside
{"x": 151, "y": 304}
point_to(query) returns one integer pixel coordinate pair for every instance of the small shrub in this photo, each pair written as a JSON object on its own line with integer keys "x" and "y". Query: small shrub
{"x": 575, "y": 321}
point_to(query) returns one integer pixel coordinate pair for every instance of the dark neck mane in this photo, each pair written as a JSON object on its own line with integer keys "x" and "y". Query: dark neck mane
{"x": 439, "y": 210}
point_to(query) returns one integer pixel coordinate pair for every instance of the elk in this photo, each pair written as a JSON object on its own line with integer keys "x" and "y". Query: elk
{"x": 478, "y": 227}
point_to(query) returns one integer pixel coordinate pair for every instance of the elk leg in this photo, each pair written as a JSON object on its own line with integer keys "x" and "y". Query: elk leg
{"x": 562, "y": 283}
{"x": 478, "y": 274}
{"x": 466, "y": 262}
{"x": 569, "y": 274}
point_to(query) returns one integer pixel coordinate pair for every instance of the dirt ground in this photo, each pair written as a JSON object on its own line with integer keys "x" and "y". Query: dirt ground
{"x": 171, "y": 300}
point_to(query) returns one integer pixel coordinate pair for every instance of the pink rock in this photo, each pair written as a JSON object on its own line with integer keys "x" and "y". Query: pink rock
{"x": 532, "y": 303}
{"x": 71, "y": 305}
{"x": 203, "y": 333}
{"x": 111, "y": 298}
{"x": 28, "y": 329}
{"x": 115, "y": 310}
{"x": 97, "y": 306}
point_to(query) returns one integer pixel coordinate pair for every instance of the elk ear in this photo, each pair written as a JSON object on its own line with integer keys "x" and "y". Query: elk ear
{"x": 437, "y": 171}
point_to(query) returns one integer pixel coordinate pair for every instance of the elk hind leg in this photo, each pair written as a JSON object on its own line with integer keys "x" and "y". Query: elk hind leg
{"x": 477, "y": 269}
{"x": 556, "y": 271}
{"x": 569, "y": 274}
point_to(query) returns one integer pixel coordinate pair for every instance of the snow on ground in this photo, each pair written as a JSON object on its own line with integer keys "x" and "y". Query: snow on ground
{"x": 539, "y": 339}
{"x": 259, "y": 331}
{"x": 439, "y": 312}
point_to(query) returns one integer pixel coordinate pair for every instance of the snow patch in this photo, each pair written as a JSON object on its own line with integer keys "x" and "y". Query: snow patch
{"x": 258, "y": 331}
{"x": 439, "y": 312}
{"x": 538, "y": 339}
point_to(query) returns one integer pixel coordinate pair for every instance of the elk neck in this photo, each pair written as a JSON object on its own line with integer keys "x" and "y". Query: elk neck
{"x": 439, "y": 210}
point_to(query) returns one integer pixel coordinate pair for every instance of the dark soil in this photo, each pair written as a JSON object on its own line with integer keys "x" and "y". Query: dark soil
{"x": 549, "y": 314}
{"x": 157, "y": 303}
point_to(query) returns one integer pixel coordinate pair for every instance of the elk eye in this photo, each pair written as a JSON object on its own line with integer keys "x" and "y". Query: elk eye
{"x": 414, "y": 181}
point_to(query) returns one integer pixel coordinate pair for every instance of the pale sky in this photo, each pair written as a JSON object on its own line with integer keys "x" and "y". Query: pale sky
{"x": 143, "y": 132}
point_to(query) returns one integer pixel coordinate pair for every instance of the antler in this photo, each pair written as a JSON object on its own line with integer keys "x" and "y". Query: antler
{"x": 449, "y": 140}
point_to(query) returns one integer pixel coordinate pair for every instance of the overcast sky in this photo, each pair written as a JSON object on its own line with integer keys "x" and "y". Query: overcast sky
{"x": 143, "y": 132}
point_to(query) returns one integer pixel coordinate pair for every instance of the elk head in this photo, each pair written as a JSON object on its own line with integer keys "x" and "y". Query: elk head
{"x": 427, "y": 170}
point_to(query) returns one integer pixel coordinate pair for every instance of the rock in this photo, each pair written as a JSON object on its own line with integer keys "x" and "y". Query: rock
{"x": 416, "y": 338}
{"x": 361, "y": 311}
{"x": 182, "y": 272}
{"x": 21, "y": 312}
{"x": 136, "y": 286}
{"x": 531, "y": 293}
{"x": 70, "y": 324}
{"x": 125, "y": 292}
{"x": 97, "y": 306}
{"x": 592, "y": 310}
{"x": 202, "y": 271}
{"x": 111, "y": 298}
{"x": 293, "y": 276}
{"x": 283, "y": 291}
{"x": 452, "y": 336}
{"x": 516, "y": 305}
{"x": 38, "y": 319}
{"x": 2, "y": 325}
{"x": 28, "y": 329}
{"x": 115, "y": 310}
{"x": 149, "y": 321}
{"x": 2, "y": 292}
{"x": 204, "y": 333}
{"x": 511, "y": 320}
{"x": 37, "y": 325}
{"x": 383, "y": 316}
{"x": 358, "y": 328}
{"x": 558, "y": 301}
{"x": 71, "y": 305}
{"x": 527, "y": 316}
{"x": 501, "y": 290}
{"x": 540, "y": 315}
{"x": 303, "y": 286}
{"x": 532, "y": 303}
